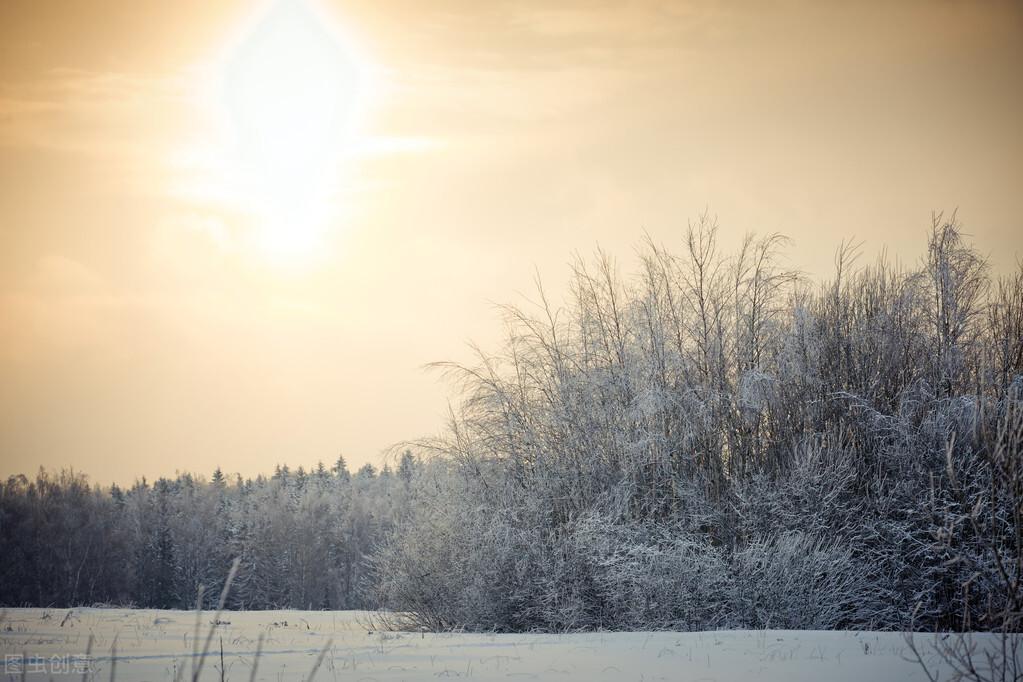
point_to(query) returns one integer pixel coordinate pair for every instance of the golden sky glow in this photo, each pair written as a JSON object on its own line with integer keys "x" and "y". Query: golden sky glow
{"x": 232, "y": 233}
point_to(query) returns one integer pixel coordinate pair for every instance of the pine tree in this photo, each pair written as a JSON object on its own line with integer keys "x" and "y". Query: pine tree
{"x": 340, "y": 469}
{"x": 406, "y": 467}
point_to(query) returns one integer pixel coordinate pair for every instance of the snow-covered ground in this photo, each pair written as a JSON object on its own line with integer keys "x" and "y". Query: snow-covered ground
{"x": 157, "y": 645}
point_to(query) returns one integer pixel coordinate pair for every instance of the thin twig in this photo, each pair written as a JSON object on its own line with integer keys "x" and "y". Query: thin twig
{"x": 88, "y": 654}
{"x": 255, "y": 662}
{"x": 113, "y": 659}
{"x": 216, "y": 618}
{"x": 198, "y": 625}
{"x": 319, "y": 660}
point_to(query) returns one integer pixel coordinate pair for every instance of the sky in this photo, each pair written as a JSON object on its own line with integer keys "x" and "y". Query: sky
{"x": 234, "y": 233}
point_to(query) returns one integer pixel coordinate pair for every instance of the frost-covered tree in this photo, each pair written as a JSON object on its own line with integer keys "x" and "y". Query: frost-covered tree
{"x": 718, "y": 442}
{"x": 304, "y": 539}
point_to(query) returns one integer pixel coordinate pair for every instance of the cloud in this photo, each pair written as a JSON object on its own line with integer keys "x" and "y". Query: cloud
{"x": 103, "y": 115}
{"x": 60, "y": 305}
{"x": 208, "y": 226}
{"x": 59, "y": 274}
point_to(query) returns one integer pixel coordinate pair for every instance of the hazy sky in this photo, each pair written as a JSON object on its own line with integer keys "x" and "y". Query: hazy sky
{"x": 232, "y": 233}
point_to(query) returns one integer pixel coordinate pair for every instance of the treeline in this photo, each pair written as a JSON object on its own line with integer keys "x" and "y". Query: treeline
{"x": 711, "y": 442}
{"x": 303, "y": 538}
{"x": 717, "y": 442}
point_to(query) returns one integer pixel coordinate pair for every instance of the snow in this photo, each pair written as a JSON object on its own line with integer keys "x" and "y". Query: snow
{"x": 157, "y": 645}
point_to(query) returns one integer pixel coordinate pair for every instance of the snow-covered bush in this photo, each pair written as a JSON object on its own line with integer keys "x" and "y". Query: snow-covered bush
{"x": 655, "y": 576}
{"x": 714, "y": 442}
{"x": 796, "y": 581}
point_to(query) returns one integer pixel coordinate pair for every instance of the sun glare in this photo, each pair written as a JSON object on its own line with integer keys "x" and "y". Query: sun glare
{"x": 291, "y": 87}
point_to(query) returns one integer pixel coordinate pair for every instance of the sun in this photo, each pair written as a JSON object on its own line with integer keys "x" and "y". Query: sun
{"x": 292, "y": 88}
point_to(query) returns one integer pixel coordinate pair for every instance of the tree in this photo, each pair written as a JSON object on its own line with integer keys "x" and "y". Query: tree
{"x": 406, "y": 467}
{"x": 340, "y": 469}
